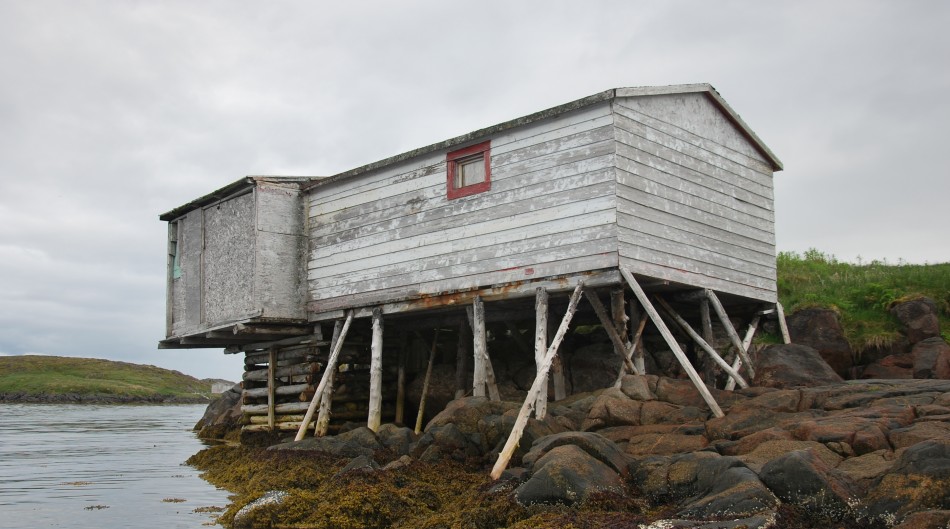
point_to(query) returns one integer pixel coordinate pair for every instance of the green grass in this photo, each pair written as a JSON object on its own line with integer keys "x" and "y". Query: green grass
{"x": 860, "y": 292}
{"x": 55, "y": 375}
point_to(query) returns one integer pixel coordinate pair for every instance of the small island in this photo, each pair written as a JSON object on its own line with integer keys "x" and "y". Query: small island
{"x": 63, "y": 380}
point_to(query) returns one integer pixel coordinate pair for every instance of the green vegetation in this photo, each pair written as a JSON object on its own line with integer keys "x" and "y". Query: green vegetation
{"x": 861, "y": 293}
{"x": 94, "y": 379}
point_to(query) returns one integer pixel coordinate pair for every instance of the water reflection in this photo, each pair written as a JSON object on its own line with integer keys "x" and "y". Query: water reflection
{"x": 88, "y": 466}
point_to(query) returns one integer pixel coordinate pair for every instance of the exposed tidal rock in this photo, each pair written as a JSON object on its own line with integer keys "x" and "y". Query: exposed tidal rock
{"x": 245, "y": 517}
{"x": 919, "y": 319}
{"x": 793, "y": 365}
{"x": 821, "y": 330}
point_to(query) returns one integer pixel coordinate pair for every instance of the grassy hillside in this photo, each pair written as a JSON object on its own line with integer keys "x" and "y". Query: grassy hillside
{"x": 862, "y": 293}
{"x": 90, "y": 378}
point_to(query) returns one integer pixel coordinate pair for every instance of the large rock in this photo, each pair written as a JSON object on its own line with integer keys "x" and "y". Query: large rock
{"x": 245, "y": 518}
{"x": 793, "y": 365}
{"x": 931, "y": 358}
{"x": 919, "y": 480}
{"x": 802, "y": 478}
{"x": 222, "y": 416}
{"x": 597, "y": 446}
{"x": 919, "y": 319}
{"x": 895, "y": 367}
{"x": 567, "y": 474}
{"x": 354, "y": 443}
{"x": 821, "y": 330}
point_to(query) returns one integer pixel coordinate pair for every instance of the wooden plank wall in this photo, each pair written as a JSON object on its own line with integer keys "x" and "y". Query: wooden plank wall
{"x": 228, "y": 260}
{"x": 392, "y": 234}
{"x": 186, "y": 290}
{"x": 695, "y": 202}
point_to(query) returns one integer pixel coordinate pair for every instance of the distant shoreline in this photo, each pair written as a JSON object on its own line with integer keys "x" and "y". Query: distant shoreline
{"x": 72, "y": 398}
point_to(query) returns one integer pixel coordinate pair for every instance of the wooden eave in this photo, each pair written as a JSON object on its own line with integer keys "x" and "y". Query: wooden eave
{"x": 234, "y": 188}
{"x": 607, "y": 95}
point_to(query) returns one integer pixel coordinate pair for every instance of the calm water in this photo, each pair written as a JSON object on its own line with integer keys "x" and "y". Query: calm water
{"x": 101, "y": 467}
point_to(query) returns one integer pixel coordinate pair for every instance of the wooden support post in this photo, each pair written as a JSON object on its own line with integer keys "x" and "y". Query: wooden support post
{"x": 541, "y": 347}
{"x": 619, "y": 347}
{"x": 731, "y": 331}
{"x": 484, "y": 374}
{"x": 746, "y": 342}
{"x": 425, "y": 383}
{"x": 326, "y": 400}
{"x": 618, "y": 310}
{"x": 331, "y": 365}
{"x": 401, "y": 385}
{"x": 703, "y": 344}
{"x": 461, "y": 358}
{"x": 782, "y": 324}
{"x": 479, "y": 344}
{"x": 376, "y": 372}
{"x": 539, "y": 381}
{"x": 638, "y": 351}
{"x": 558, "y": 380}
{"x": 271, "y": 387}
{"x": 668, "y": 336}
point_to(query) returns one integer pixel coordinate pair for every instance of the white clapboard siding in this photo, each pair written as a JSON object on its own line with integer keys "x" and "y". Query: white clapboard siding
{"x": 404, "y": 223}
{"x": 694, "y": 204}
{"x": 650, "y": 123}
{"x": 552, "y": 206}
{"x": 598, "y": 261}
{"x": 581, "y": 122}
{"x": 482, "y": 231}
{"x": 693, "y": 112}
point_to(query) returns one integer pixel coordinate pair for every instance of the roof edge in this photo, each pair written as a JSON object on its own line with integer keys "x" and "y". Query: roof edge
{"x": 606, "y": 95}
{"x": 231, "y": 189}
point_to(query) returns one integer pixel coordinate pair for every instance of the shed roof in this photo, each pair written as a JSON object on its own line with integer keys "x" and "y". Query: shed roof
{"x": 237, "y": 187}
{"x": 606, "y": 95}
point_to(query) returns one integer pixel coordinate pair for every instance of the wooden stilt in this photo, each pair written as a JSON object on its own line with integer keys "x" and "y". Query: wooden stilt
{"x": 703, "y": 344}
{"x": 671, "y": 342}
{"x": 782, "y": 324}
{"x": 707, "y": 321}
{"x": 326, "y": 400}
{"x": 731, "y": 331}
{"x": 636, "y": 349}
{"x": 461, "y": 359}
{"x": 619, "y": 347}
{"x": 331, "y": 365}
{"x": 639, "y": 350}
{"x": 477, "y": 319}
{"x": 484, "y": 375}
{"x": 271, "y": 387}
{"x": 401, "y": 387}
{"x": 746, "y": 342}
{"x": 376, "y": 373}
{"x": 425, "y": 383}
{"x": 618, "y": 310}
{"x": 541, "y": 347}
{"x": 539, "y": 380}
{"x": 558, "y": 380}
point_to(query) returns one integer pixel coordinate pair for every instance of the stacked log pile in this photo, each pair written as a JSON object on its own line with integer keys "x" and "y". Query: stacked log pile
{"x": 276, "y": 398}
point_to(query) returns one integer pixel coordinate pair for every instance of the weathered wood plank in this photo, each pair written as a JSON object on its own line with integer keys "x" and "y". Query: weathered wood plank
{"x": 730, "y": 331}
{"x": 668, "y": 134}
{"x": 672, "y": 269}
{"x": 541, "y": 348}
{"x": 552, "y": 247}
{"x": 511, "y": 276}
{"x": 331, "y": 367}
{"x": 419, "y": 219}
{"x": 468, "y": 231}
{"x": 676, "y": 235}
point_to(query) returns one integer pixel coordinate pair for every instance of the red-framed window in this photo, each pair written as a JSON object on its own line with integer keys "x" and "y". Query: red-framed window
{"x": 469, "y": 170}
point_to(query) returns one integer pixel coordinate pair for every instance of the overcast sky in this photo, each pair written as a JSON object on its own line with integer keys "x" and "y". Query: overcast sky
{"x": 113, "y": 112}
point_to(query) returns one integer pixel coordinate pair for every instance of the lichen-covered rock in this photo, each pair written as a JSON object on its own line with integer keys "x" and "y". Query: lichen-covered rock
{"x": 354, "y": 443}
{"x": 931, "y": 358}
{"x": 919, "y": 319}
{"x": 794, "y": 365}
{"x": 399, "y": 439}
{"x": 567, "y": 474}
{"x": 919, "y": 480}
{"x": 804, "y": 479}
{"x": 597, "y": 446}
{"x": 244, "y": 519}
{"x": 821, "y": 330}
{"x": 222, "y": 416}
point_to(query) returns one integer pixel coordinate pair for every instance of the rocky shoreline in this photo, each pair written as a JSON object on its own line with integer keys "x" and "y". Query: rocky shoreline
{"x": 76, "y": 398}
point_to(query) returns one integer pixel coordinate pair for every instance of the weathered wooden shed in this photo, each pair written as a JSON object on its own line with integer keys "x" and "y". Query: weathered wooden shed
{"x": 650, "y": 190}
